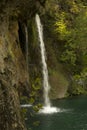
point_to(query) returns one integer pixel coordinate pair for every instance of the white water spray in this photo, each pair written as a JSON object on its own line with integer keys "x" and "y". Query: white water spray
{"x": 47, "y": 105}
{"x": 26, "y": 105}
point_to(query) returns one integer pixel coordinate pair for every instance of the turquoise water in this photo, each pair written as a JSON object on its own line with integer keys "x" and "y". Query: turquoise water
{"x": 72, "y": 117}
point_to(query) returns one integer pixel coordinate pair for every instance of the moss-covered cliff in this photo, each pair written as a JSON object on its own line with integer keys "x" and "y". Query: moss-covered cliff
{"x": 13, "y": 74}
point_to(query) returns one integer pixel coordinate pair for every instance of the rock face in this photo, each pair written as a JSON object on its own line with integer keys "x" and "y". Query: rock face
{"x": 10, "y": 116}
{"x": 13, "y": 74}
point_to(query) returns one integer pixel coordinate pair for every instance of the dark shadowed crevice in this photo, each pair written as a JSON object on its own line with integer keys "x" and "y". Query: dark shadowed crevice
{"x": 22, "y": 37}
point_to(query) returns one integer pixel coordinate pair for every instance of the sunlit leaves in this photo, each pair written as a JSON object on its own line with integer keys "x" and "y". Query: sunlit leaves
{"x": 37, "y": 84}
{"x": 31, "y": 100}
{"x": 37, "y": 107}
{"x": 74, "y": 8}
{"x": 61, "y": 26}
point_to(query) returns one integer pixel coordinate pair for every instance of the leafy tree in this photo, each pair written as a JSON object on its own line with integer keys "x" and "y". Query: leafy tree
{"x": 71, "y": 29}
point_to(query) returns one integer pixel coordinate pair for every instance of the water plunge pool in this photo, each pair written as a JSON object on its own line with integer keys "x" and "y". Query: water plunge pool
{"x": 73, "y": 116}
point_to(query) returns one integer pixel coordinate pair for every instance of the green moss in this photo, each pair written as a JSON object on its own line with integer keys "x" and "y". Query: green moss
{"x": 33, "y": 37}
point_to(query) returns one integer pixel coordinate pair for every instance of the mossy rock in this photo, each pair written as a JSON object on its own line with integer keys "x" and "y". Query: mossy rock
{"x": 59, "y": 85}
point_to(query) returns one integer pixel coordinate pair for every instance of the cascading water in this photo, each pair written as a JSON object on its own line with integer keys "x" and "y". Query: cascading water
{"x": 27, "y": 61}
{"x": 27, "y": 51}
{"x": 47, "y": 105}
{"x": 45, "y": 70}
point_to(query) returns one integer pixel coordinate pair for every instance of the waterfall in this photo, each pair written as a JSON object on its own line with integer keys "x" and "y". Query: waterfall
{"x": 27, "y": 52}
{"x": 27, "y": 62}
{"x": 47, "y": 105}
{"x": 46, "y": 85}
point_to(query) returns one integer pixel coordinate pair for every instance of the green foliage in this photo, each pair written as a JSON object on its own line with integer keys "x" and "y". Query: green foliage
{"x": 36, "y": 123}
{"x": 24, "y": 99}
{"x": 36, "y": 86}
{"x": 79, "y": 32}
{"x": 68, "y": 29}
{"x": 61, "y": 26}
{"x": 37, "y": 107}
{"x": 77, "y": 90}
{"x": 79, "y": 85}
{"x": 69, "y": 57}
{"x": 24, "y": 111}
{"x": 74, "y": 35}
{"x": 31, "y": 100}
{"x": 29, "y": 129}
